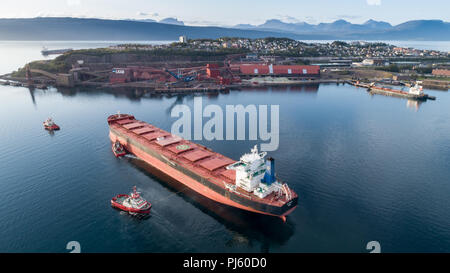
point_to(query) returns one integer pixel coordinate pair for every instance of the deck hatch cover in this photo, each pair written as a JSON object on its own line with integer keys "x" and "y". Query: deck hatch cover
{"x": 155, "y": 135}
{"x": 125, "y": 121}
{"x": 133, "y": 125}
{"x": 196, "y": 155}
{"x": 215, "y": 163}
{"x": 180, "y": 148}
{"x": 230, "y": 174}
{"x": 144, "y": 130}
{"x": 169, "y": 140}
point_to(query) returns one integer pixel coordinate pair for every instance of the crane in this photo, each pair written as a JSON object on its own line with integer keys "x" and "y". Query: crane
{"x": 227, "y": 65}
{"x": 179, "y": 77}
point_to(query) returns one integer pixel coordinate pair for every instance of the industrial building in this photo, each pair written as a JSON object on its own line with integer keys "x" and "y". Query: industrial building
{"x": 213, "y": 70}
{"x": 335, "y": 63}
{"x": 303, "y": 71}
{"x": 227, "y": 74}
{"x": 182, "y": 39}
{"x": 140, "y": 73}
{"x": 120, "y": 75}
{"x": 441, "y": 72}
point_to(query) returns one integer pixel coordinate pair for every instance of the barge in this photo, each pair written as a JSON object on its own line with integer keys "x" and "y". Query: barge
{"x": 415, "y": 92}
{"x": 249, "y": 184}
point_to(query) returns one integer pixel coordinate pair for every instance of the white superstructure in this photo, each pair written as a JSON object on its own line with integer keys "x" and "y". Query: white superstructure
{"x": 49, "y": 122}
{"x": 135, "y": 200}
{"x": 417, "y": 89}
{"x": 255, "y": 174}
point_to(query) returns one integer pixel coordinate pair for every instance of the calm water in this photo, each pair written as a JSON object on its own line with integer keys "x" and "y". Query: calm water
{"x": 365, "y": 167}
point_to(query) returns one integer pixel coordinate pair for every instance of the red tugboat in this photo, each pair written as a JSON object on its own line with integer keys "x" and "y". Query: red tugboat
{"x": 132, "y": 203}
{"x": 118, "y": 149}
{"x": 50, "y": 125}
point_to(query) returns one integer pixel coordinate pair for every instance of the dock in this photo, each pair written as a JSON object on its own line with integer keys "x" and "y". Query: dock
{"x": 358, "y": 84}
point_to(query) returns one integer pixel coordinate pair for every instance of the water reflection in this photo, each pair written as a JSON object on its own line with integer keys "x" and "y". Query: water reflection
{"x": 305, "y": 88}
{"x": 179, "y": 100}
{"x": 138, "y": 93}
{"x": 245, "y": 227}
{"x": 413, "y": 104}
{"x": 33, "y": 99}
{"x": 134, "y": 94}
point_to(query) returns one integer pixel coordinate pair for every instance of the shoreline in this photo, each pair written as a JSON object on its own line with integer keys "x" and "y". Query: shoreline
{"x": 151, "y": 88}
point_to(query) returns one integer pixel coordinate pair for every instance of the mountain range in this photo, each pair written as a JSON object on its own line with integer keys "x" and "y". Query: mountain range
{"x": 303, "y": 27}
{"x": 371, "y": 29}
{"x": 66, "y": 28}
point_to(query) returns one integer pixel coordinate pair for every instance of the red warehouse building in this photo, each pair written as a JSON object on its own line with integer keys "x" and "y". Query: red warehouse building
{"x": 279, "y": 70}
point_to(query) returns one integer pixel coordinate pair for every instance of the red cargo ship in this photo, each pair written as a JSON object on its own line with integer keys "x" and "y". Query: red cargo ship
{"x": 248, "y": 184}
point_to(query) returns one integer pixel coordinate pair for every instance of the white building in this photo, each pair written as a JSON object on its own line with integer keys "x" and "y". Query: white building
{"x": 368, "y": 62}
{"x": 183, "y": 39}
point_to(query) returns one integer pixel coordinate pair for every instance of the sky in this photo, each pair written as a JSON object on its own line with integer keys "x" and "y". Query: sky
{"x": 232, "y": 12}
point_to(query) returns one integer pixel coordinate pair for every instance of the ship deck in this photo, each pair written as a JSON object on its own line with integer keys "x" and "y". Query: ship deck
{"x": 194, "y": 157}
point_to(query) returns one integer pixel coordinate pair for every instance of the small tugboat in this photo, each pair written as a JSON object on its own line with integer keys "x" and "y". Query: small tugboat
{"x": 132, "y": 203}
{"x": 50, "y": 125}
{"x": 118, "y": 149}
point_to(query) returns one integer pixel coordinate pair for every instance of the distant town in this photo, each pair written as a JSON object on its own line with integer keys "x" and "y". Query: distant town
{"x": 191, "y": 65}
{"x": 294, "y": 48}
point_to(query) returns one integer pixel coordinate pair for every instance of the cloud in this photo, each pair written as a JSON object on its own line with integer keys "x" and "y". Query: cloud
{"x": 310, "y": 20}
{"x": 345, "y": 16}
{"x": 72, "y": 3}
{"x": 287, "y": 18}
{"x": 373, "y": 2}
{"x": 154, "y": 14}
{"x": 205, "y": 23}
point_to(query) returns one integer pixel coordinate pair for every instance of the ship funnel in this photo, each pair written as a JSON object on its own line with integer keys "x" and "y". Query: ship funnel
{"x": 269, "y": 176}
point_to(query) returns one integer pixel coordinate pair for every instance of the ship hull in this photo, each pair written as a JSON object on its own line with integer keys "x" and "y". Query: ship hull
{"x": 200, "y": 185}
{"x": 400, "y": 94}
{"x": 51, "y": 128}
